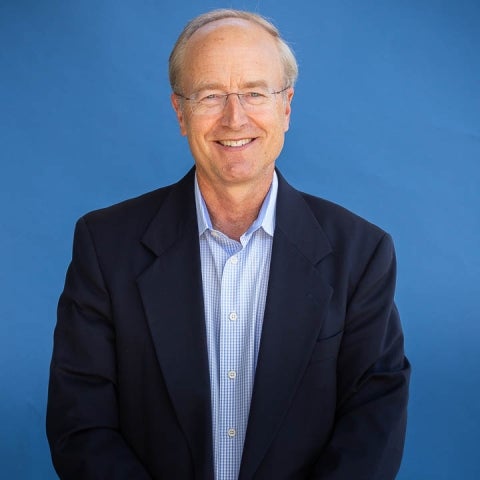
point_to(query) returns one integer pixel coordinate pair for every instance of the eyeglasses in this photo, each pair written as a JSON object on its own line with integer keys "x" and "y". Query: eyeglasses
{"x": 211, "y": 103}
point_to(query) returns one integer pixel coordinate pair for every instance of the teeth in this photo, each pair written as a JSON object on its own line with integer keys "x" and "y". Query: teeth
{"x": 235, "y": 143}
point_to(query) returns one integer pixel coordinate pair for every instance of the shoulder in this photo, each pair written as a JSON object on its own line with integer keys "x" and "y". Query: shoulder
{"x": 351, "y": 236}
{"x": 318, "y": 227}
{"x": 118, "y": 234}
{"x": 133, "y": 214}
{"x": 302, "y": 211}
{"x": 336, "y": 218}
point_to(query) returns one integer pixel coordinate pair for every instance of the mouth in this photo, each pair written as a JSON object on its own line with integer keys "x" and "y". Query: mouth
{"x": 236, "y": 143}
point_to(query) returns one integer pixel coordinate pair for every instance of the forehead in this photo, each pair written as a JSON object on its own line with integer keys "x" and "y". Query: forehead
{"x": 231, "y": 51}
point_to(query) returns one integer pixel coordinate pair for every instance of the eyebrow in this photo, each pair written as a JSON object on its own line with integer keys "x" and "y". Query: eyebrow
{"x": 217, "y": 86}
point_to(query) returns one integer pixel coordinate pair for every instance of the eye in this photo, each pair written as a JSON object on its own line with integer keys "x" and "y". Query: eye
{"x": 210, "y": 98}
{"x": 255, "y": 98}
{"x": 256, "y": 94}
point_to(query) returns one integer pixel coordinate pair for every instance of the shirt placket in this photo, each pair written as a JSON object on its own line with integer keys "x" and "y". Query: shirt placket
{"x": 232, "y": 331}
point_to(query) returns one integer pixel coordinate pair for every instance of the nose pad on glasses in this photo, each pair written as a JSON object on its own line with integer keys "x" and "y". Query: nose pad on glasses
{"x": 236, "y": 97}
{"x": 234, "y": 113}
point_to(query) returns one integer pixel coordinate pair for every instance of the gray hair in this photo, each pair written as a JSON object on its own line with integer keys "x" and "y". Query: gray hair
{"x": 175, "y": 62}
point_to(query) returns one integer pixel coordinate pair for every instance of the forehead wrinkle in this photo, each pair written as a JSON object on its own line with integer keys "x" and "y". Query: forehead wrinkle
{"x": 233, "y": 75}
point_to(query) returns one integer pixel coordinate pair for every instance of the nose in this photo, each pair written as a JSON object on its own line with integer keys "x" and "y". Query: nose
{"x": 233, "y": 114}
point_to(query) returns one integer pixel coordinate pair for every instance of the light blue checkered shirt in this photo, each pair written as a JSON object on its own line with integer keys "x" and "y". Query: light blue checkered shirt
{"x": 235, "y": 278}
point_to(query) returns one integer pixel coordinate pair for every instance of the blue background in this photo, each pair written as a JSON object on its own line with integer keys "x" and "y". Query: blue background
{"x": 386, "y": 121}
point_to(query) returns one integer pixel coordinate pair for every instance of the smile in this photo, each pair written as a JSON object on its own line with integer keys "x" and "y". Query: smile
{"x": 235, "y": 143}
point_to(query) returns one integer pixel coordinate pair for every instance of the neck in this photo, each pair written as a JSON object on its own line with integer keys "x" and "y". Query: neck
{"x": 233, "y": 209}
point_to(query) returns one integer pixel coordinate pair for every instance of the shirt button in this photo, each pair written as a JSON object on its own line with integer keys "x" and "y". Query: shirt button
{"x": 234, "y": 260}
{"x": 232, "y": 374}
{"x": 231, "y": 432}
{"x": 233, "y": 316}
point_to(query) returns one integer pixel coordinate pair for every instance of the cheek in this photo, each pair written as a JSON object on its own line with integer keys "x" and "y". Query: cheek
{"x": 197, "y": 128}
{"x": 281, "y": 120}
{"x": 196, "y": 136}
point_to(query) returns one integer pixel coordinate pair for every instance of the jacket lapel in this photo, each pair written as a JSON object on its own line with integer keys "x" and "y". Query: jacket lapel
{"x": 171, "y": 290}
{"x": 297, "y": 302}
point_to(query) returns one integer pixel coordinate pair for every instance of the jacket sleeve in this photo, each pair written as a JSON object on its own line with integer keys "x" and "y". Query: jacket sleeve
{"x": 82, "y": 416}
{"x": 373, "y": 374}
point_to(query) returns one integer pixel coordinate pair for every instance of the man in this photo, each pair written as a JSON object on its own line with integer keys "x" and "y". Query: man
{"x": 229, "y": 326}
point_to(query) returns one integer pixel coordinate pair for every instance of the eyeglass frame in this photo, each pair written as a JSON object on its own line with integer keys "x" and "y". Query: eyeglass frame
{"x": 226, "y": 95}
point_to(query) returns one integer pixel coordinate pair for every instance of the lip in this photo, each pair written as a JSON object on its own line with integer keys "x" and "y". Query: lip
{"x": 236, "y": 143}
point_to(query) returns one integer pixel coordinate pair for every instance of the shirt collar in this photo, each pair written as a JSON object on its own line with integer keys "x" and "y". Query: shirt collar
{"x": 265, "y": 219}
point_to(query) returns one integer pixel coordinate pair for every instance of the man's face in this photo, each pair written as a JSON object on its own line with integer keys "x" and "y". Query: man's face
{"x": 233, "y": 146}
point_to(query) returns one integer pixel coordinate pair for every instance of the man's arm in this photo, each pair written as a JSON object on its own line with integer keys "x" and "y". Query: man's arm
{"x": 82, "y": 414}
{"x": 373, "y": 374}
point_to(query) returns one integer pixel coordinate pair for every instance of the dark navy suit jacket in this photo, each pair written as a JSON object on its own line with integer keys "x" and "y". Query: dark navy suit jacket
{"x": 129, "y": 394}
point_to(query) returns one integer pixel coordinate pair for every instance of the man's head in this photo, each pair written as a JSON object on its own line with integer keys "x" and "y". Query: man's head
{"x": 232, "y": 78}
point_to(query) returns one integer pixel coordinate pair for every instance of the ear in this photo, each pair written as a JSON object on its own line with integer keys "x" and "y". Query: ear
{"x": 288, "y": 106}
{"x": 177, "y": 106}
